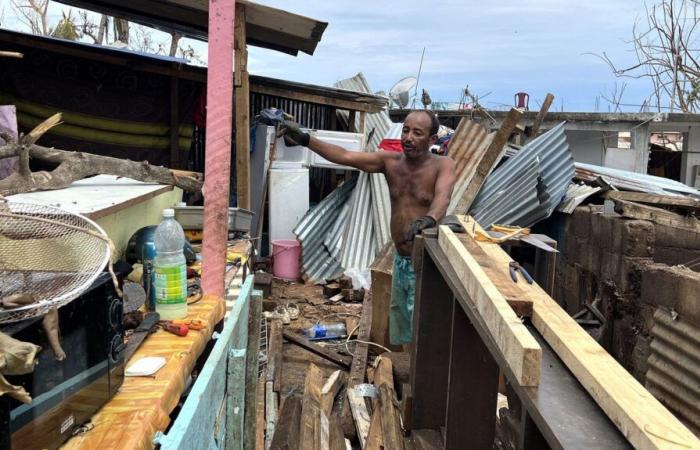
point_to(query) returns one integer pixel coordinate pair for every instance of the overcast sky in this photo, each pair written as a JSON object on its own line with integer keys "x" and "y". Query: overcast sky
{"x": 502, "y": 47}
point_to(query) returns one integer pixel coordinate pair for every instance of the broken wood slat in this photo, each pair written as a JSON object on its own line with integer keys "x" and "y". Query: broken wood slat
{"x": 513, "y": 294}
{"x": 274, "y": 355}
{"x": 330, "y": 391}
{"x": 241, "y": 99}
{"x": 310, "y": 425}
{"x": 406, "y": 407}
{"x": 330, "y": 355}
{"x": 491, "y": 156}
{"x": 352, "y": 324}
{"x": 642, "y": 419}
{"x": 383, "y": 374}
{"x": 675, "y": 201}
{"x": 520, "y": 350}
{"x": 381, "y": 294}
{"x": 541, "y": 114}
{"x": 260, "y": 414}
{"x": 375, "y": 435}
{"x": 330, "y": 436}
{"x": 360, "y": 415}
{"x": 287, "y": 431}
{"x": 271, "y": 409}
{"x": 656, "y": 215}
{"x": 331, "y": 289}
{"x": 390, "y": 417}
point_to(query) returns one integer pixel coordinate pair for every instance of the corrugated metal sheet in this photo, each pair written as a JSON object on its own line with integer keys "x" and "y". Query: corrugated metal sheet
{"x": 633, "y": 181}
{"x": 376, "y": 125}
{"x": 360, "y": 244}
{"x": 318, "y": 262}
{"x": 381, "y": 209}
{"x": 674, "y": 367}
{"x": 466, "y": 148}
{"x": 575, "y": 195}
{"x": 508, "y": 197}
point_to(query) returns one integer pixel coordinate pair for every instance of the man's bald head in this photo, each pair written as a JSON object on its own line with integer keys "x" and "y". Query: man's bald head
{"x": 419, "y": 133}
{"x": 434, "y": 123}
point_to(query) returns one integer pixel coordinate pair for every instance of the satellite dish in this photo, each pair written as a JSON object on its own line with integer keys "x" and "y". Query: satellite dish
{"x": 400, "y": 94}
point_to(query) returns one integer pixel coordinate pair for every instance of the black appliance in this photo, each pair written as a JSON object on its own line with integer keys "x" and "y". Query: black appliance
{"x": 65, "y": 394}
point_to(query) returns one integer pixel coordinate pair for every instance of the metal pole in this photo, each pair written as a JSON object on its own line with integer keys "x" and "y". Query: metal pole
{"x": 218, "y": 144}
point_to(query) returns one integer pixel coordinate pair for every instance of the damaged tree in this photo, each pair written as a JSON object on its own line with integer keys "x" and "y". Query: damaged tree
{"x": 72, "y": 166}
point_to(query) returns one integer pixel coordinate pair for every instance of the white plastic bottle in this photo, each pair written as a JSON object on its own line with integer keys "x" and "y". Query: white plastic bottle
{"x": 170, "y": 269}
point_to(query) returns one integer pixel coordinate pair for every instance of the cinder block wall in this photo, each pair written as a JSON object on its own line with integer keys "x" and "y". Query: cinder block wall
{"x": 636, "y": 269}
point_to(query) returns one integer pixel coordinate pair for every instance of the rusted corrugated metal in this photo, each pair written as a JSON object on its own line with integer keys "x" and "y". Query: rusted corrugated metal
{"x": 674, "y": 367}
{"x": 466, "y": 148}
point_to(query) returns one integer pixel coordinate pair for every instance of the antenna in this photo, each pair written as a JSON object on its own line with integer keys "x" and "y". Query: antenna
{"x": 400, "y": 93}
{"x": 420, "y": 68}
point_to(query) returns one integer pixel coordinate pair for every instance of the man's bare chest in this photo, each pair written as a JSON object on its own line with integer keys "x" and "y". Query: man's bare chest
{"x": 414, "y": 188}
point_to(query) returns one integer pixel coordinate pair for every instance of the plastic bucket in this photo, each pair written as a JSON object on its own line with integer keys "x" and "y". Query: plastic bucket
{"x": 285, "y": 259}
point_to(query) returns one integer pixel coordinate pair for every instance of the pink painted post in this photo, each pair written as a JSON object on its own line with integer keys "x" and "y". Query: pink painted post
{"x": 218, "y": 144}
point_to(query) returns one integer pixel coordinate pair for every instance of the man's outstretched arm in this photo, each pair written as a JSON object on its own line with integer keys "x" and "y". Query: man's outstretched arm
{"x": 365, "y": 161}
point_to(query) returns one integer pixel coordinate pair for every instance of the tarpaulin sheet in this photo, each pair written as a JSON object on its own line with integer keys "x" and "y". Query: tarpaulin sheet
{"x": 143, "y": 404}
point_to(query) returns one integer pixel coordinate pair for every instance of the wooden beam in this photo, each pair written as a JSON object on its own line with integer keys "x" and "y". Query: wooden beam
{"x": 642, "y": 419}
{"x": 274, "y": 355}
{"x": 375, "y": 435}
{"x": 271, "y": 410}
{"x": 311, "y": 407}
{"x": 251, "y": 375}
{"x": 520, "y": 350}
{"x": 313, "y": 98}
{"x": 330, "y": 355}
{"x": 286, "y": 435}
{"x": 491, "y": 156}
{"x": 675, "y": 201}
{"x": 175, "y": 162}
{"x": 260, "y": 414}
{"x": 541, "y": 115}
{"x": 656, "y": 215}
{"x": 381, "y": 294}
{"x": 242, "y": 99}
{"x": 390, "y": 417}
{"x": 360, "y": 414}
{"x": 330, "y": 390}
{"x": 352, "y": 120}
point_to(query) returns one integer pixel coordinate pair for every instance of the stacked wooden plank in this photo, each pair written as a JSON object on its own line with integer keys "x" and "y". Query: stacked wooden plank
{"x": 642, "y": 419}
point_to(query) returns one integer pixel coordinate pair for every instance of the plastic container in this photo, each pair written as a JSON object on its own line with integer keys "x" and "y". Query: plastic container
{"x": 170, "y": 269}
{"x": 330, "y": 331}
{"x": 285, "y": 259}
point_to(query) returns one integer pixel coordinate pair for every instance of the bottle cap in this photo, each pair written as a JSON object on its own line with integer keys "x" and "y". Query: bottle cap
{"x": 168, "y": 212}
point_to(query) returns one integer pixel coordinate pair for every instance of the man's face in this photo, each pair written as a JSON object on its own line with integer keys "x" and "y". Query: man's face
{"x": 415, "y": 136}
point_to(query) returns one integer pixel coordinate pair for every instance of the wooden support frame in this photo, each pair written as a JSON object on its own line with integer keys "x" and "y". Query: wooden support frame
{"x": 175, "y": 159}
{"x": 242, "y": 100}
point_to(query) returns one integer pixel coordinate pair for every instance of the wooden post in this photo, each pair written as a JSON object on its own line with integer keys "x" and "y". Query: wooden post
{"x": 251, "y": 370}
{"x": 541, "y": 115}
{"x": 218, "y": 144}
{"x": 351, "y": 121}
{"x": 175, "y": 160}
{"x": 242, "y": 97}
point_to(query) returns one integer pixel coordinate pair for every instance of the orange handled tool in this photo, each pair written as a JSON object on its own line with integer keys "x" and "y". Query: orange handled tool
{"x": 174, "y": 328}
{"x": 192, "y": 324}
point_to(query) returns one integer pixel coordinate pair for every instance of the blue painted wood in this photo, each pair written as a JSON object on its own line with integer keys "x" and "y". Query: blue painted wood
{"x": 194, "y": 426}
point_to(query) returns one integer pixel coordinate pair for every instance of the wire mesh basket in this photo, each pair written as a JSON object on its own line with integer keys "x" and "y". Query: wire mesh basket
{"x": 49, "y": 254}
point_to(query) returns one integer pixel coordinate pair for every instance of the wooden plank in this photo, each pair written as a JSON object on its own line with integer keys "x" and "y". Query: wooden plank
{"x": 235, "y": 399}
{"x": 274, "y": 355}
{"x": 406, "y": 407}
{"x": 382, "y": 375}
{"x": 375, "y": 435}
{"x": 429, "y": 368}
{"x": 260, "y": 414}
{"x": 512, "y": 293}
{"x": 352, "y": 121}
{"x": 311, "y": 408}
{"x": 313, "y": 98}
{"x": 360, "y": 414}
{"x": 271, "y": 410}
{"x": 175, "y": 162}
{"x": 381, "y": 294}
{"x": 242, "y": 99}
{"x": 491, "y": 156}
{"x": 330, "y": 355}
{"x": 676, "y": 201}
{"x": 519, "y": 348}
{"x": 286, "y": 435}
{"x": 642, "y": 419}
{"x": 656, "y": 215}
{"x": 541, "y": 114}
{"x": 251, "y": 371}
{"x": 330, "y": 391}
{"x": 391, "y": 418}
{"x": 472, "y": 387}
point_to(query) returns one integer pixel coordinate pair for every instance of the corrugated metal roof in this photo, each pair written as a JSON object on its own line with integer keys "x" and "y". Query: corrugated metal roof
{"x": 360, "y": 244}
{"x": 528, "y": 186}
{"x": 575, "y": 195}
{"x": 674, "y": 367}
{"x": 381, "y": 209}
{"x": 318, "y": 261}
{"x": 377, "y": 125}
{"x": 633, "y": 181}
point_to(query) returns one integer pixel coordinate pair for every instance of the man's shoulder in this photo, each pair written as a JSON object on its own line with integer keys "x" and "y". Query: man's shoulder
{"x": 443, "y": 161}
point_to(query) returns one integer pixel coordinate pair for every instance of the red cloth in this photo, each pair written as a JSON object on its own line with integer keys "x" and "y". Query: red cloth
{"x": 391, "y": 145}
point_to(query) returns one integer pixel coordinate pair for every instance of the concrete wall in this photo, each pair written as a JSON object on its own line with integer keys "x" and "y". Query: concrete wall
{"x": 691, "y": 155}
{"x": 589, "y": 146}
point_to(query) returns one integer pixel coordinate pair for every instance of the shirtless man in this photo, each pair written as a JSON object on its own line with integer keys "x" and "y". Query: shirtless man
{"x": 420, "y": 185}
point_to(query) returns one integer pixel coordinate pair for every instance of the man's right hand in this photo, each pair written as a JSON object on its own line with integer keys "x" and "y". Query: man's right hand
{"x": 293, "y": 135}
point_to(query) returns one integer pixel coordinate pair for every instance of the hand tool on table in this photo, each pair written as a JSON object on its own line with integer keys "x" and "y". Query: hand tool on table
{"x": 176, "y": 329}
{"x": 502, "y": 233}
{"x": 192, "y": 324}
{"x": 150, "y": 319}
{"x": 514, "y": 267}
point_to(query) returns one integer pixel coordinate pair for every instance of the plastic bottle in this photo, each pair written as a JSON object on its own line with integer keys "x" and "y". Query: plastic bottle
{"x": 331, "y": 331}
{"x": 169, "y": 269}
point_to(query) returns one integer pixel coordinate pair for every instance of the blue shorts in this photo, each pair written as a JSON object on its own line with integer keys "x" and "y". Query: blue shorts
{"x": 403, "y": 291}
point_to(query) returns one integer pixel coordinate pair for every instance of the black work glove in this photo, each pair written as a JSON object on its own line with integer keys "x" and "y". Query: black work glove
{"x": 419, "y": 225}
{"x": 293, "y": 135}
